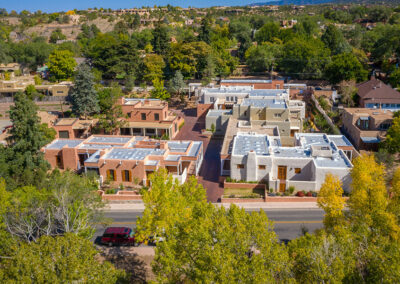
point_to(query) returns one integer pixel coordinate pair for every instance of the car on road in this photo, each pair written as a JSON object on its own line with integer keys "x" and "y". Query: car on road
{"x": 122, "y": 236}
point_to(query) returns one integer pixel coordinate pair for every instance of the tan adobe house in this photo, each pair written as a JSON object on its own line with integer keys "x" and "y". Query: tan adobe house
{"x": 74, "y": 128}
{"x": 19, "y": 84}
{"x": 149, "y": 117}
{"x": 125, "y": 160}
{"x": 366, "y": 127}
{"x": 376, "y": 94}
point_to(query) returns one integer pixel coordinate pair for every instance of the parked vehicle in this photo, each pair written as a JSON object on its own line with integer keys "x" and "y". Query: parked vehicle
{"x": 119, "y": 236}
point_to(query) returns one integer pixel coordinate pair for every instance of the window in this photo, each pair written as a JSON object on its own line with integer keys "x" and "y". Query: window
{"x": 60, "y": 92}
{"x": 63, "y": 134}
{"x": 211, "y": 99}
{"x": 262, "y": 167}
{"x": 143, "y": 116}
{"x": 129, "y": 114}
{"x": 277, "y": 115}
{"x": 240, "y": 166}
{"x": 297, "y": 170}
{"x": 126, "y": 175}
{"x": 176, "y": 127}
{"x": 111, "y": 175}
{"x": 156, "y": 116}
{"x": 278, "y": 86}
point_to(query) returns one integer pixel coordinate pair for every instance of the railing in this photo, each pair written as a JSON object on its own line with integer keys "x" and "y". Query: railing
{"x": 181, "y": 178}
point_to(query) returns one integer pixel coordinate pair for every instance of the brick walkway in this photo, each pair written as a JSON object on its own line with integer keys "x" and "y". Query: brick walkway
{"x": 210, "y": 169}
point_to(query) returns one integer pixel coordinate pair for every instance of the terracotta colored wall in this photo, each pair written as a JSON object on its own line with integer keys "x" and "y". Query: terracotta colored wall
{"x": 136, "y": 113}
{"x": 271, "y": 85}
{"x": 70, "y": 158}
{"x": 136, "y": 170}
{"x": 202, "y": 109}
{"x": 51, "y": 156}
{"x": 65, "y": 128}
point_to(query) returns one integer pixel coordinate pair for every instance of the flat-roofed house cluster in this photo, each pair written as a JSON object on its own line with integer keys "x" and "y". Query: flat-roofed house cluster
{"x": 126, "y": 160}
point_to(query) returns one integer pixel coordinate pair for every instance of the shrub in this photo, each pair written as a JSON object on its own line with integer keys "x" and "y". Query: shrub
{"x": 286, "y": 193}
{"x": 300, "y": 194}
{"x": 228, "y": 179}
{"x": 110, "y": 191}
{"x": 291, "y": 189}
{"x": 309, "y": 194}
{"x": 314, "y": 194}
{"x": 181, "y": 125}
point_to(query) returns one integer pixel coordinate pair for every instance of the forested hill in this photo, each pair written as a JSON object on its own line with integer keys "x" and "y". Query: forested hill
{"x": 293, "y": 2}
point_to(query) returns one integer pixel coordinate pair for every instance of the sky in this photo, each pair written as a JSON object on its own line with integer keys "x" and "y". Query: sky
{"x": 65, "y": 5}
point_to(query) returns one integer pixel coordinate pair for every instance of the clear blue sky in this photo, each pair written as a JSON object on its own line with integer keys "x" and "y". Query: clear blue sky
{"x": 65, "y": 5}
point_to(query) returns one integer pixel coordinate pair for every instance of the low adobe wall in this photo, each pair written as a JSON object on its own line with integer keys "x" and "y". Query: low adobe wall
{"x": 202, "y": 109}
{"x": 121, "y": 195}
{"x": 290, "y": 199}
{"x": 241, "y": 200}
{"x": 236, "y": 185}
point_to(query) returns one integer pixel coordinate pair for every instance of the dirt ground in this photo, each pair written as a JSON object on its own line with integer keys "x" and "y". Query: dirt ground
{"x": 136, "y": 261}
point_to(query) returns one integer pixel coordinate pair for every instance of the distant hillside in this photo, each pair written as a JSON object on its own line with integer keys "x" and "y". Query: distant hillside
{"x": 293, "y": 2}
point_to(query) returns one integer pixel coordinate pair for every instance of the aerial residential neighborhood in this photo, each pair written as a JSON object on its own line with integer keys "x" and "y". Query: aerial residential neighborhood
{"x": 222, "y": 142}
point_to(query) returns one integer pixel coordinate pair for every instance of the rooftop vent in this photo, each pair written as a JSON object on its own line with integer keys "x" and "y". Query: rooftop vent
{"x": 321, "y": 151}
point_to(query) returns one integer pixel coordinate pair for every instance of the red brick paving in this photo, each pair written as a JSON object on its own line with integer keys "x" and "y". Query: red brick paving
{"x": 210, "y": 169}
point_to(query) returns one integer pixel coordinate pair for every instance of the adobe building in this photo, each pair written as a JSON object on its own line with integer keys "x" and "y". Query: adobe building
{"x": 366, "y": 128}
{"x": 376, "y": 94}
{"x": 261, "y": 158}
{"x": 126, "y": 160}
{"x": 149, "y": 117}
{"x": 73, "y": 128}
{"x": 255, "y": 84}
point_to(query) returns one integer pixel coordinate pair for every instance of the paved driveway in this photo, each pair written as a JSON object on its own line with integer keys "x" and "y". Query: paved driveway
{"x": 210, "y": 169}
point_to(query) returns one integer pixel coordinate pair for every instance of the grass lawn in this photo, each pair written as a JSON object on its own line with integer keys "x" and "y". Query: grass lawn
{"x": 243, "y": 192}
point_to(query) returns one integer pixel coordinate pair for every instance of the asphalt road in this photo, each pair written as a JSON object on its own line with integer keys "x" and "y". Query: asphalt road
{"x": 288, "y": 222}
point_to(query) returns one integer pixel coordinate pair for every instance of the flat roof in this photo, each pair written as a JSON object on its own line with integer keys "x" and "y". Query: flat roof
{"x": 291, "y": 152}
{"x": 178, "y": 146}
{"x": 338, "y": 160}
{"x": 94, "y": 158}
{"x": 109, "y": 139}
{"x": 245, "y": 81}
{"x": 218, "y": 112}
{"x": 244, "y": 143}
{"x": 173, "y": 158}
{"x": 65, "y": 121}
{"x": 340, "y": 140}
{"x": 194, "y": 150}
{"x": 132, "y": 154}
{"x": 269, "y": 103}
{"x": 60, "y": 143}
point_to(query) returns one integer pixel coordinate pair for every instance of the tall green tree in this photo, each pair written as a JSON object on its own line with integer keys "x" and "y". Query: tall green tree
{"x": 159, "y": 91}
{"x": 261, "y": 58}
{"x": 111, "y": 119}
{"x": 392, "y": 141}
{"x": 205, "y": 30}
{"x": 63, "y": 259}
{"x": 267, "y": 33}
{"x": 345, "y": 67}
{"x": 335, "y": 41}
{"x": 83, "y": 96}
{"x": 161, "y": 39}
{"x": 153, "y": 65}
{"x": 57, "y": 35}
{"x": 61, "y": 64}
{"x": 177, "y": 84}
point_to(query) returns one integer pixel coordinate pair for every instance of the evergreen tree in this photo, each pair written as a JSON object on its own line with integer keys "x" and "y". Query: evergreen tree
{"x": 83, "y": 97}
{"x": 160, "y": 41}
{"x": 205, "y": 30}
{"x": 177, "y": 84}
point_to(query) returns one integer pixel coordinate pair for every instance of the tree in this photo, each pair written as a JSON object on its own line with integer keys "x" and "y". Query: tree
{"x": 330, "y": 199}
{"x": 83, "y": 96}
{"x": 348, "y": 92}
{"x": 368, "y": 202}
{"x": 129, "y": 82}
{"x": 65, "y": 203}
{"x": 112, "y": 116}
{"x": 177, "y": 84}
{"x": 64, "y": 259}
{"x": 57, "y": 35}
{"x": 22, "y": 162}
{"x": 205, "y": 30}
{"x": 345, "y": 67}
{"x": 158, "y": 91}
{"x": 237, "y": 246}
{"x": 49, "y": 133}
{"x": 61, "y": 64}
{"x": 304, "y": 58}
{"x": 267, "y": 33}
{"x": 335, "y": 41}
{"x": 261, "y": 58}
{"x": 392, "y": 142}
{"x": 394, "y": 78}
{"x": 160, "y": 41}
{"x": 153, "y": 65}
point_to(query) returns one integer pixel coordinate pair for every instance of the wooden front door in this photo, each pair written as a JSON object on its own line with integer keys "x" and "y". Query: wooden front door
{"x": 282, "y": 172}
{"x": 282, "y": 187}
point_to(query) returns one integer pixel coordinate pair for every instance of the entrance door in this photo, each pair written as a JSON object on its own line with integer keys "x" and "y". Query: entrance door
{"x": 282, "y": 172}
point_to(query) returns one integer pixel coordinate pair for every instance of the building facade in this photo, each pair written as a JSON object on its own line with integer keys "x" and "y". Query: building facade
{"x": 149, "y": 117}
{"x": 126, "y": 160}
{"x": 261, "y": 158}
{"x": 366, "y": 128}
{"x": 376, "y": 94}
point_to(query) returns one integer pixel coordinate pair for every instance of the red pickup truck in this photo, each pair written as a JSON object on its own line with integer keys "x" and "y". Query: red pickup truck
{"x": 119, "y": 236}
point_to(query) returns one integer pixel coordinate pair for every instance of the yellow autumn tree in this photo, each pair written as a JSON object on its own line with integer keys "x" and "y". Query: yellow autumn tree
{"x": 368, "y": 202}
{"x": 330, "y": 199}
{"x": 394, "y": 203}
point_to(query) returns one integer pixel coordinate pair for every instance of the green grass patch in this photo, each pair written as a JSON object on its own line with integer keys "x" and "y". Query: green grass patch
{"x": 243, "y": 192}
